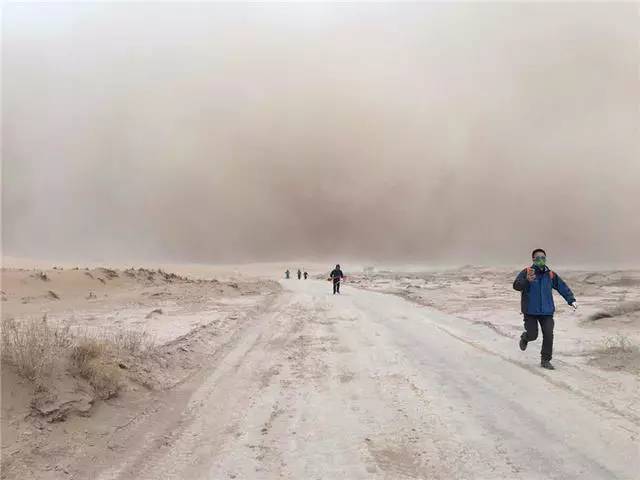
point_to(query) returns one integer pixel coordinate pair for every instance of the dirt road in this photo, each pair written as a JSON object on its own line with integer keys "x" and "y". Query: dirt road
{"x": 367, "y": 385}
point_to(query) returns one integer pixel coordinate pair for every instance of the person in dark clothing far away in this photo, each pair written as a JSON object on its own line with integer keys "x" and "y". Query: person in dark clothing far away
{"x": 299, "y": 274}
{"x": 305, "y": 275}
{"x": 287, "y": 274}
{"x": 535, "y": 284}
{"x": 336, "y": 277}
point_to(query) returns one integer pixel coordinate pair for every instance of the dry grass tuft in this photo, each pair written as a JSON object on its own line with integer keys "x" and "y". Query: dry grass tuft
{"x": 105, "y": 378}
{"x": 132, "y": 342}
{"x": 85, "y": 350}
{"x": 618, "y": 344}
{"x": 618, "y": 354}
{"x": 93, "y": 358}
{"x": 32, "y": 346}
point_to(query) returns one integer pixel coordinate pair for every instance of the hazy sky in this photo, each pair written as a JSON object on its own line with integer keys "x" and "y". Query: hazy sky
{"x": 227, "y": 132}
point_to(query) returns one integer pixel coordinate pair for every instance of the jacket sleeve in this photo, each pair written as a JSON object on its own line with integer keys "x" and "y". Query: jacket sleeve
{"x": 521, "y": 283}
{"x": 563, "y": 289}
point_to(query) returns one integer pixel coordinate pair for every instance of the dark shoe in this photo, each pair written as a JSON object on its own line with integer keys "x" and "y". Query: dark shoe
{"x": 547, "y": 364}
{"x": 523, "y": 341}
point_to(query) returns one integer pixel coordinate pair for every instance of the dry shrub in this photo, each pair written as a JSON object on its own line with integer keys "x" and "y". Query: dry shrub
{"x": 133, "y": 342}
{"x": 618, "y": 344}
{"x": 94, "y": 360}
{"x": 95, "y": 356}
{"x": 617, "y": 354}
{"x": 85, "y": 350}
{"x": 105, "y": 378}
{"x": 32, "y": 346}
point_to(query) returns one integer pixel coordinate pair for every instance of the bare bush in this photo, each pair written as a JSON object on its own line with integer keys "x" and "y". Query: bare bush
{"x": 617, "y": 354}
{"x": 86, "y": 349}
{"x": 32, "y": 345}
{"x": 132, "y": 342}
{"x": 620, "y": 343}
{"x": 105, "y": 378}
{"x": 94, "y": 360}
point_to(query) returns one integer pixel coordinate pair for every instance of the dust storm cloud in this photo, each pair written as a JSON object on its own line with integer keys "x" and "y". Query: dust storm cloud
{"x": 226, "y": 132}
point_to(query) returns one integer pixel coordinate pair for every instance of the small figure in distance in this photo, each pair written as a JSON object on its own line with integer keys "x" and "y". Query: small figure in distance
{"x": 336, "y": 276}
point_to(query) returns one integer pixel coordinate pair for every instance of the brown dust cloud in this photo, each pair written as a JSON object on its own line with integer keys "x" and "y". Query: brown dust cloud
{"x": 217, "y": 132}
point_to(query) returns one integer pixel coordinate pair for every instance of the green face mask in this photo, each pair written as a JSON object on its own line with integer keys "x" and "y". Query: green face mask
{"x": 540, "y": 261}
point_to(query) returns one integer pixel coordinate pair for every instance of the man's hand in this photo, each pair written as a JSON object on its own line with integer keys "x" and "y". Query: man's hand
{"x": 531, "y": 275}
{"x": 574, "y": 305}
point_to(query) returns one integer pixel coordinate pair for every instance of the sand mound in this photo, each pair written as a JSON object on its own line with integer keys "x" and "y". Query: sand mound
{"x": 618, "y": 353}
{"x": 80, "y": 335}
{"x": 630, "y": 310}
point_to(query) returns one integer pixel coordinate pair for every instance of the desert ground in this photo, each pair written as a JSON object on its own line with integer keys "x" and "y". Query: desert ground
{"x": 203, "y": 372}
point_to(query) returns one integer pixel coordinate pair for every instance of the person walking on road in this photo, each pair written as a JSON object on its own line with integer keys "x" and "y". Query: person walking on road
{"x": 287, "y": 274}
{"x": 336, "y": 277}
{"x": 305, "y": 275}
{"x": 536, "y": 284}
{"x": 299, "y": 274}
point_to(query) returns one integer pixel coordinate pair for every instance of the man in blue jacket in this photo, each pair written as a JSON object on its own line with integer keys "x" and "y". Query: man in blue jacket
{"x": 536, "y": 284}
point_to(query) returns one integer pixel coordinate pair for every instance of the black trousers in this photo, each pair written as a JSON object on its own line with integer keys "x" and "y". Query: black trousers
{"x": 546, "y": 325}
{"x": 336, "y": 286}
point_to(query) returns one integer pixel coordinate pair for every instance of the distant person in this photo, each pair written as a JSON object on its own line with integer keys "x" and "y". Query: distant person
{"x": 287, "y": 274}
{"x": 336, "y": 277}
{"x": 536, "y": 283}
{"x": 299, "y": 274}
{"x": 305, "y": 274}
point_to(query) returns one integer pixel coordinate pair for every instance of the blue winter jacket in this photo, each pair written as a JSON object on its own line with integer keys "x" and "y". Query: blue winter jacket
{"x": 537, "y": 298}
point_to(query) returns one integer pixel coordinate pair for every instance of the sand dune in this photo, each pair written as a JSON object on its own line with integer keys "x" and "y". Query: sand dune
{"x": 76, "y": 338}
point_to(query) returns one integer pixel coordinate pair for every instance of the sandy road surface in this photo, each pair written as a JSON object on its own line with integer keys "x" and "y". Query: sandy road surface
{"x": 367, "y": 385}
